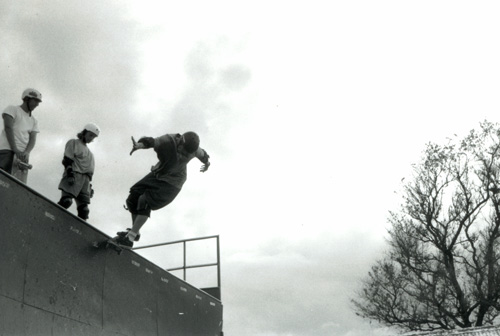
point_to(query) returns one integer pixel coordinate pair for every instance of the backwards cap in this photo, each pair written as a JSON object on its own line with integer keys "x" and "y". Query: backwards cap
{"x": 93, "y": 128}
{"x": 32, "y": 93}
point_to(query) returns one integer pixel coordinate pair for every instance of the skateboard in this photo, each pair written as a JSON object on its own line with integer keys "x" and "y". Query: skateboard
{"x": 20, "y": 170}
{"x": 24, "y": 165}
{"x": 112, "y": 243}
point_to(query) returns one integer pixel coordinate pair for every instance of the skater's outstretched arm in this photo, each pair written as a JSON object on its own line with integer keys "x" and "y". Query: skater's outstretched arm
{"x": 203, "y": 156}
{"x": 143, "y": 143}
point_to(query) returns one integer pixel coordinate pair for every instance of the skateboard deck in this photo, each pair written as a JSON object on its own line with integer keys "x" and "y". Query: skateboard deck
{"x": 111, "y": 243}
{"x": 20, "y": 170}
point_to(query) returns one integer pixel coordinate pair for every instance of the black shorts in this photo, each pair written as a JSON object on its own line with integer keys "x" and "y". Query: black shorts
{"x": 79, "y": 190}
{"x": 6, "y": 160}
{"x": 158, "y": 194}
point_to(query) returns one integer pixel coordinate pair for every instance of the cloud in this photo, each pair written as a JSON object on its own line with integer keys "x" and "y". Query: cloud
{"x": 205, "y": 105}
{"x": 300, "y": 287}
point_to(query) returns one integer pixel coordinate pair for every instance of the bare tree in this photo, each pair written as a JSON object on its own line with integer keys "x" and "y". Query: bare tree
{"x": 442, "y": 268}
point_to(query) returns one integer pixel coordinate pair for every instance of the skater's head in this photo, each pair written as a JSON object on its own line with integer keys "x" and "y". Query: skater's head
{"x": 31, "y": 98}
{"x": 190, "y": 141}
{"x": 89, "y": 133}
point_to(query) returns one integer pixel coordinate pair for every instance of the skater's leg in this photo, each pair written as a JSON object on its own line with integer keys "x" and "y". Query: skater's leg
{"x": 139, "y": 218}
{"x": 66, "y": 200}
{"x": 83, "y": 211}
{"x": 147, "y": 195}
{"x": 139, "y": 221}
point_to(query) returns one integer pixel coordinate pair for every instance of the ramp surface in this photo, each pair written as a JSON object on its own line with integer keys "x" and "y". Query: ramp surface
{"x": 53, "y": 281}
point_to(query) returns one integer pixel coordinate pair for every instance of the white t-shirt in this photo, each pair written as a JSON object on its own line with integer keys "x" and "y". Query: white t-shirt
{"x": 23, "y": 126}
{"x": 83, "y": 159}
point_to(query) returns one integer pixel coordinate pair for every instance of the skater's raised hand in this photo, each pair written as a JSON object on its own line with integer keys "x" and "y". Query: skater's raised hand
{"x": 204, "y": 168}
{"x": 134, "y": 146}
{"x": 143, "y": 143}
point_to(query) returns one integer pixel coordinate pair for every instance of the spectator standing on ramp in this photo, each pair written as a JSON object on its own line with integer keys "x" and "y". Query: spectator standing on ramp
{"x": 18, "y": 136}
{"x": 79, "y": 167}
{"x": 160, "y": 187}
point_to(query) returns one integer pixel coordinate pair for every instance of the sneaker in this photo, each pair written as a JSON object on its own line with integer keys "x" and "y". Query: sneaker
{"x": 124, "y": 233}
{"x": 124, "y": 241}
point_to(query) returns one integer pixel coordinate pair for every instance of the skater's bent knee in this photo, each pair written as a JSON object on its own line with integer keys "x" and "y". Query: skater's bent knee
{"x": 144, "y": 212}
{"x": 65, "y": 202}
{"x": 143, "y": 207}
{"x": 138, "y": 205}
{"x": 142, "y": 203}
{"x": 83, "y": 211}
{"x": 132, "y": 202}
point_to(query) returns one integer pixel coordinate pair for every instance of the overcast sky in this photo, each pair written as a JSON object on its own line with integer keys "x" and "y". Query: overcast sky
{"x": 311, "y": 111}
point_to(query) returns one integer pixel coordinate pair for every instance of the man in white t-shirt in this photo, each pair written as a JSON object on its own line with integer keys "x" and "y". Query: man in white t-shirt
{"x": 18, "y": 136}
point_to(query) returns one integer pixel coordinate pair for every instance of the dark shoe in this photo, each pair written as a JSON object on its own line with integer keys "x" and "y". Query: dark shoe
{"x": 124, "y": 241}
{"x": 124, "y": 233}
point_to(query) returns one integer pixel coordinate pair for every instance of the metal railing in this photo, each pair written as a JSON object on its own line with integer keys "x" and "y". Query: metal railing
{"x": 185, "y": 267}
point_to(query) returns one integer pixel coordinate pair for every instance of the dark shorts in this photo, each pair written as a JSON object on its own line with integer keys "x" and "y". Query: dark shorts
{"x": 6, "y": 160}
{"x": 79, "y": 190}
{"x": 157, "y": 193}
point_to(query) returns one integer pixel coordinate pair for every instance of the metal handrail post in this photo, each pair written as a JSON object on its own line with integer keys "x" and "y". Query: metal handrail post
{"x": 184, "y": 245}
{"x": 218, "y": 267}
{"x": 184, "y": 266}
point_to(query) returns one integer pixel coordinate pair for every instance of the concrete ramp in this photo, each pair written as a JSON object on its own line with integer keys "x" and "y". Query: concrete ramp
{"x": 53, "y": 281}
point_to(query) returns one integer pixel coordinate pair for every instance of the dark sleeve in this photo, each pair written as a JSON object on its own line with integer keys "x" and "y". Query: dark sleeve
{"x": 67, "y": 162}
{"x": 148, "y": 142}
{"x": 202, "y": 155}
{"x": 68, "y": 166}
{"x": 165, "y": 148}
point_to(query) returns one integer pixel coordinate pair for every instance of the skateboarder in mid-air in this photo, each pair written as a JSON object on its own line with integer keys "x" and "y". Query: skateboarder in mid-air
{"x": 160, "y": 187}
